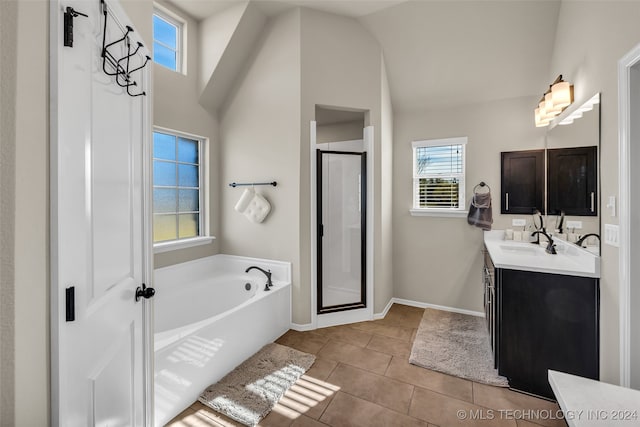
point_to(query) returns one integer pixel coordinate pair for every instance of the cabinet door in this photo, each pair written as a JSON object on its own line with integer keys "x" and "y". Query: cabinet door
{"x": 522, "y": 181}
{"x": 572, "y": 181}
{"x": 546, "y": 321}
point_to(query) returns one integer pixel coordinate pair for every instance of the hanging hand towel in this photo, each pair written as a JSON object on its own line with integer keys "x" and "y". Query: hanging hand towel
{"x": 480, "y": 213}
{"x": 245, "y": 199}
{"x": 258, "y": 209}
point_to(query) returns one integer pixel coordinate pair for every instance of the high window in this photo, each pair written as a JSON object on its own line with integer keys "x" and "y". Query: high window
{"x": 167, "y": 40}
{"x": 439, "y": 176}
{"x": 178, "y": 187}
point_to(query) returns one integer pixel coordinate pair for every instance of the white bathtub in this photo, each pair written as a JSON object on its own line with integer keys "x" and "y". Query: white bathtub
{"x": 206, "y": 323}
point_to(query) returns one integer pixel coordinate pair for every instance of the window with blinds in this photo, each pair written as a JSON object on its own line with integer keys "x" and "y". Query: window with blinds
{"x": 438, "y": 174}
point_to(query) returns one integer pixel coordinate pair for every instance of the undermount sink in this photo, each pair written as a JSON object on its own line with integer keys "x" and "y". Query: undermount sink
{"x": 528, "y": 250}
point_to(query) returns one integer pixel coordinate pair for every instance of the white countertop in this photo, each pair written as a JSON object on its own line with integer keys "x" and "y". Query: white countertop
{"x": 570, "y": 259}
{"x": 586, "y": 402}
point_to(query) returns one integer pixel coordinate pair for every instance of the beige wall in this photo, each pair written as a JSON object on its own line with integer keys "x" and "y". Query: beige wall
{"x": 437, "y": 260}
{"x": 334, "y": 132}
{"x": 386, "y": 291}
{"x": 215, "y": 33}
{"x": 260, "y": 132}
{"x": 341, "y": 67}
{"x": 8, "y": 77}
{"x": 24, "y": 307}
{"x": 591, "y": 38}
{"x": 175, "y": 106}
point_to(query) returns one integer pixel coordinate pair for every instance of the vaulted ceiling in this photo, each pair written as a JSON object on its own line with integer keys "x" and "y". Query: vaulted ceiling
{"x": 444, "y": 53}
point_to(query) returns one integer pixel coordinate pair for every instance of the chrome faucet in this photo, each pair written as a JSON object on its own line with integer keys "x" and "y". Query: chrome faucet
{"x": 266, "y": 273}
{"x": 583, "y": 238}
{"x": 551, "y": 248}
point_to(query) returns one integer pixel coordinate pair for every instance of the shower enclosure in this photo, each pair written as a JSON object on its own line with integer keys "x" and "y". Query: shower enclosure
{"x": 341, "y": 235}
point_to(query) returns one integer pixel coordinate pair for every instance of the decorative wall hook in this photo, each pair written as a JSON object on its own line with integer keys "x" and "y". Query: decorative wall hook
{"x": 122, "y": 68}
{"x": 69, "y": 14}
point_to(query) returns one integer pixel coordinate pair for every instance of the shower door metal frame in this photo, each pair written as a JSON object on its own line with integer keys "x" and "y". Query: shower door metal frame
{"x": 363, "y": 233}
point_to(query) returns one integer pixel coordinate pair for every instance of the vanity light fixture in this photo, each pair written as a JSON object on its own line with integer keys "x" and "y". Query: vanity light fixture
{"x": 557, "y": 98}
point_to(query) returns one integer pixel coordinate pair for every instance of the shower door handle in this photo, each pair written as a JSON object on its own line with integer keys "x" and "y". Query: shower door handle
{"x": 144, "y": 292}
{"x": 321, "y": 230}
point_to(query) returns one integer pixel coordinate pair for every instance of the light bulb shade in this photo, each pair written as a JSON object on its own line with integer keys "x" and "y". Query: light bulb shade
{"x": 549, "y": 105}
{"x": 544, "y": 114}
{"x": 539, "y": 120}
{"x": 561, "y": 95}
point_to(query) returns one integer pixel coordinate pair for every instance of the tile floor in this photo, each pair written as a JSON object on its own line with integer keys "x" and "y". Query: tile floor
{"x": 362, "y": 377}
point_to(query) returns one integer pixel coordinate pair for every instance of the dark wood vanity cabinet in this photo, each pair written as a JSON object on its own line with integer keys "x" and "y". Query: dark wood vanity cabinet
{"x": 546, "y": 321}
{"x": 572, "y": 181}
{"x": 522, "y": 184}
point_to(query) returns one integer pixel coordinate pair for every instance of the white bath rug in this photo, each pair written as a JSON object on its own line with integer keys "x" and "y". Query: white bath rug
{"x": 249, "y": 392}
{"x": 455, "y": 344}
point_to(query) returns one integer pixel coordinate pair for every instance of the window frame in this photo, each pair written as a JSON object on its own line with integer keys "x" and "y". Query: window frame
{"x": 461, "y": 210}
{"x": 181, "y": 26}
{"x": 204, "y": 236}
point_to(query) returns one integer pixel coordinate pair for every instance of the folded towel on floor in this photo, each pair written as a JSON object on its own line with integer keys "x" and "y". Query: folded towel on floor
{"x": 480, "y": 212}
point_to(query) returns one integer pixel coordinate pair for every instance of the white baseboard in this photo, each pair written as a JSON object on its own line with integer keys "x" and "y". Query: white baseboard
{"x": 437, "y": 307}
{"x": 377, "y": 316}
{"x": 302, "y": 327}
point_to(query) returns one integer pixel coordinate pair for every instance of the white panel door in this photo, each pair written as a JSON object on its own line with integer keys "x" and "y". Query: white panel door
{"x": 100, "y": 237}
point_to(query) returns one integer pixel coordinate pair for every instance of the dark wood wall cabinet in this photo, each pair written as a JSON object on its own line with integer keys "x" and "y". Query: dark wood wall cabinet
{"x": 572, "y": 181}
{"x": 522, "y": 184}
{"x": 543, "y": 321}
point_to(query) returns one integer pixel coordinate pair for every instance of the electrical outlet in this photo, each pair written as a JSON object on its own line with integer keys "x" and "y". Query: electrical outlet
{"x": 518, "y": 222}
{"x": 612, "y": 235}
{"x": 574, "y": 224}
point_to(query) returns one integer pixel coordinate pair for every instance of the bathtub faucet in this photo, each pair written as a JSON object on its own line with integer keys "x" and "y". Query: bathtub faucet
{"x": 266, "y": 273}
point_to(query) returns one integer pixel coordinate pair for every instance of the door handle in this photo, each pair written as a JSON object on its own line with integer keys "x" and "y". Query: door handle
{"x": 144, "y": 292}
{"x": 506, "y": 200}
{"x": 592, "y": 201}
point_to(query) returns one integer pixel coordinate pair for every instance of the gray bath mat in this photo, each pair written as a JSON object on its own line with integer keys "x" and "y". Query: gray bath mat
{"x": 455, "y": 344}
{"x": 249, "y": 392}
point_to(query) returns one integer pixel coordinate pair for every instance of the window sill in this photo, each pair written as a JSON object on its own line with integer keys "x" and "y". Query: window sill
{"x": 443, "y": 213}
{"x": 181, "y": 244}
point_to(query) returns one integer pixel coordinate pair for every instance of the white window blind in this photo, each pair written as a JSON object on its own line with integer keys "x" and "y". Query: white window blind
{"x": 439, "y": 174}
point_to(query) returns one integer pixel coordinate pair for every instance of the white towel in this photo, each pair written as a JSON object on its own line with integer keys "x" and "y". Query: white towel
{"x": 245, "y": 199}
{"x": 258, "y": 209}
{"x": 253, "y": 206}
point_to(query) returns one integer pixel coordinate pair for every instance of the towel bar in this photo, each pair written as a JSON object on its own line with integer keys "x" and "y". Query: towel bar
{"x": 235, "y": 184}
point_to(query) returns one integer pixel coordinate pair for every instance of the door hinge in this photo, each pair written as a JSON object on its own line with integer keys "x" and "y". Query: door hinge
{"x": 70, "y": 304}
{"x": 69, "y": 14}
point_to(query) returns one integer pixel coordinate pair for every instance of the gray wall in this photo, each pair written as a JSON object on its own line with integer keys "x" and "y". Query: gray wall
{"x": 260, "y": 132}
{"x": 591, "y": 38}
{"x": 342, "y": 67}
{"x": 8, "y": 69}
{"x": 265, "y": 136}
{"x": 176, "y": 106}
{"x": 24, "y": 227}
{"x": 438, "y": 260}
{"x": 334, "y": 132}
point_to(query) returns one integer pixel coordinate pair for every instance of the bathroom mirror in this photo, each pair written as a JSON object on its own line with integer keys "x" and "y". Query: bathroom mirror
{"x": 573, "y": 178}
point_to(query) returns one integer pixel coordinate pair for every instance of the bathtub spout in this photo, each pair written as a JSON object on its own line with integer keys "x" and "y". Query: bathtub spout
{"x": 266, "y": 273}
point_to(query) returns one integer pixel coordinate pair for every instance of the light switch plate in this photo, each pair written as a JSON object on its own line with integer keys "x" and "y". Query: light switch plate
{"x": 612, "y": 205}
{"x": 574, "y": 224}
{"x": 612, "y": 235}
{"x": 518, "y": 222}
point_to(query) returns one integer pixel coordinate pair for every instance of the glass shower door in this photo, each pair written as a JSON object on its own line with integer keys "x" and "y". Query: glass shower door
{"x": 341, "y": 230}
